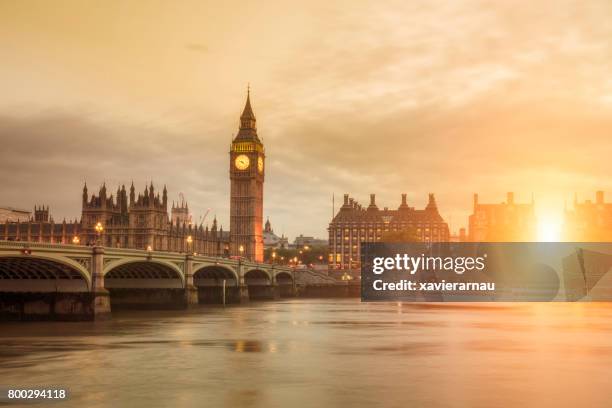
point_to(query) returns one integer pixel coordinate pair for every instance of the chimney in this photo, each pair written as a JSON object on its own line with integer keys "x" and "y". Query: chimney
{"x": 372, "y": 205}
{"x": 599, "y": 197}
{"x": 431, "y": 205}
{"x": 510, "y": 198}
{"x": 475, "y": 201}
{"x": 404, "y": 204}
{"x": 346, "y": 199}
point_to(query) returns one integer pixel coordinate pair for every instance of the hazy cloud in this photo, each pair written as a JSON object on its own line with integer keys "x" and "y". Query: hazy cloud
{"x": 433, "y": 96}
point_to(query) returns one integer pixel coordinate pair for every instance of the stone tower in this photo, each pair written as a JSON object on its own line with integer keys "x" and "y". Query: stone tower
{"x": 247, "y": 159}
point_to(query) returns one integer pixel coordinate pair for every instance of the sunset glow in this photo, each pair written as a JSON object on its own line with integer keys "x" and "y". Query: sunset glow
{"x": 550, "y": 225}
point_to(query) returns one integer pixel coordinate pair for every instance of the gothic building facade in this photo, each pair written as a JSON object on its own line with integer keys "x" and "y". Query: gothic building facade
{"x": 135, "y": 221}
{"x": 354, "y": 224}
{"x": 247, "y": 167}
{"x": 141, "y": 221}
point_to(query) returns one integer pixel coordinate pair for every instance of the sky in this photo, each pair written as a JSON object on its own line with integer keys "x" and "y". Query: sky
{"x": 444, "y": 97}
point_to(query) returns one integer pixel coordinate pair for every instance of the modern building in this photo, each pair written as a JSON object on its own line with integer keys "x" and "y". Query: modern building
{"x": 302, "y": 241}
{"x": 354, "y": 224}
{"x": 589, "y": 221}
{"x": 504, "y": 222}
{"x": 271, "y": 240}
{"x": 247, "y": 160}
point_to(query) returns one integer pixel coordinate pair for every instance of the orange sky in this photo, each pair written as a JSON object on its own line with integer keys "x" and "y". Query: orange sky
{"x": 450, "y": 97}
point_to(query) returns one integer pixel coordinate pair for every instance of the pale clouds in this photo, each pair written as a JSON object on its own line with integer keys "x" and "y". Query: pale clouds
{"x": 451, "y": 97}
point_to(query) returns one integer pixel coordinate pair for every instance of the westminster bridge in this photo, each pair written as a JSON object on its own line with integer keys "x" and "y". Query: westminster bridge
{"x": 76, "y": 282}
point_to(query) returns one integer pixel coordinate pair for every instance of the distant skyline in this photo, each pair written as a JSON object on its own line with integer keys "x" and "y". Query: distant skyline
{"x": 452, "y": 98}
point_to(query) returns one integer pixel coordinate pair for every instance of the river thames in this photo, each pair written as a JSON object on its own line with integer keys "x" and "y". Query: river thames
{"x": 322, "y": 353}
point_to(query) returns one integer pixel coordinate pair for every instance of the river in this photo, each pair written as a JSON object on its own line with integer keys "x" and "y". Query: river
{"x": 323, "y": 353}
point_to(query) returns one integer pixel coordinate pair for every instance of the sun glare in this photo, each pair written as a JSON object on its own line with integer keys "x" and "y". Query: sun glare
{"x": 549, "y": 227}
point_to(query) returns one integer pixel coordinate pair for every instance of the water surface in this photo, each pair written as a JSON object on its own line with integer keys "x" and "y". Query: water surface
{"x": 323, "y": 353}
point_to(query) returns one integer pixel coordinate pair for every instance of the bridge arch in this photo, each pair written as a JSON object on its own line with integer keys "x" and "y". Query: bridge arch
{"x": 257, "y": 277}
{"x": 213, "y": 275}
{"x": 283, "y": 278}
{"x": 141, "y": 274}
{"x": 46, "y": 273}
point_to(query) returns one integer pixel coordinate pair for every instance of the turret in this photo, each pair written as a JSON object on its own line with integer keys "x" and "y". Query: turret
{"x": 268, "y": 227}
{"x": 431, "y": 205}
{"x": 85, "y": 195}
{"x": 132, "y": 194}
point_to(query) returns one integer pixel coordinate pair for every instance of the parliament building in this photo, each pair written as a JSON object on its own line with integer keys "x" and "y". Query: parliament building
{"x": 147, "y": 221}
{"x": 354, "y": 224}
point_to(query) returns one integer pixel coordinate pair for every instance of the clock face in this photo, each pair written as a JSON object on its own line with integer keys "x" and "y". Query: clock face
{"x": 242, "y": 162}
{"x": 260, "y": 164}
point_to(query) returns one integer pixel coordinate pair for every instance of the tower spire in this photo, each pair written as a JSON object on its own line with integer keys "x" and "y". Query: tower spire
{"x": 248, "y": 122}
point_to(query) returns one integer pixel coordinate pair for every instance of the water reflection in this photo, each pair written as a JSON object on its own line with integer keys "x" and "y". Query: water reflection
{"x": 323, "y": 353}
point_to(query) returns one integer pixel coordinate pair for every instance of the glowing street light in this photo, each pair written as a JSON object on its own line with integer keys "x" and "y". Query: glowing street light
{"x": 189, "y": 239}
{"x": 76, "y": 240}
{"x": 241, "y": 250}
{"x": 99, "y": 228}
{"x": 149, "y": 248}
{"x": 273, "y": 257}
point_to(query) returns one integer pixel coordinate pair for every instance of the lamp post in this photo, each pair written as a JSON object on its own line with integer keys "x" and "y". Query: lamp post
{"x": 189, "y": 242}
{"x": 99, "y": 228}
{"x": 273, "y": 257}
{"x": 76, "y": 240}
{"x": 241, "y": 250}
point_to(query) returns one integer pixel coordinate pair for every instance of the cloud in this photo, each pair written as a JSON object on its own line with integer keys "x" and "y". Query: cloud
{"x": 437, "y": 96}
{"x": 197, "y": 47}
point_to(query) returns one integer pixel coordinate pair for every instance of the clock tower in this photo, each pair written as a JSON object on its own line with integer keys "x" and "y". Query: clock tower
{"x": 247, "y": 159}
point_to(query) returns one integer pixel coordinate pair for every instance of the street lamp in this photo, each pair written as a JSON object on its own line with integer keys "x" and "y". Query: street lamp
{"x": 76, "y": 240}
{"x": 189, "y": 242}
{"x": 273, "y": 257}
{"x": 99, "y": 228}
{"x": 241, "y": 250}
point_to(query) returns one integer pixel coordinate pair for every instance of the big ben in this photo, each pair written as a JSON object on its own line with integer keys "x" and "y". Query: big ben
{"x": 247, "y": 166}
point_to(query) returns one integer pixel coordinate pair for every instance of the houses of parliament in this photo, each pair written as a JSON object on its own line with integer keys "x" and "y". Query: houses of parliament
{"x": 147, "y": 221}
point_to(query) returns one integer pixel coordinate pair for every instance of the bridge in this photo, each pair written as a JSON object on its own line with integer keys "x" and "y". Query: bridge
{"x": 76, "y": 282}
